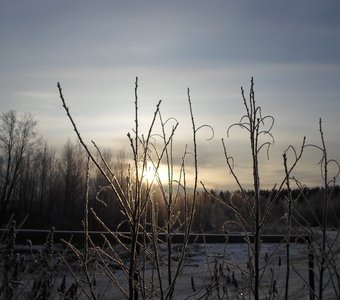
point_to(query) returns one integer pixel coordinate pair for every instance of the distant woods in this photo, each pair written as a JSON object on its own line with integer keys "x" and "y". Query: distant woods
{"x": 44, "y": 185}
{"x": 48, "y": 187}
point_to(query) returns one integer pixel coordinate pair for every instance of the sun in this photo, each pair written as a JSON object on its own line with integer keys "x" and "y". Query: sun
{"x": 151, "y": 175}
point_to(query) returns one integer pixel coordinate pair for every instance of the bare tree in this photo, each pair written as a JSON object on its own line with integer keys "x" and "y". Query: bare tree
{"x": 72, "y": 167}
{"x": 45, "y": 170}
{"x": 17, "y": 136}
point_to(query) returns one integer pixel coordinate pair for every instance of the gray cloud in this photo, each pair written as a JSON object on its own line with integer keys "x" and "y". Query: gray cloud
{"x": 95, "y": 49}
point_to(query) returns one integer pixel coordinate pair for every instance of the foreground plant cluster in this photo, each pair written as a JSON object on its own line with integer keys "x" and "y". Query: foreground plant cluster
{"x": 142, "y": 265}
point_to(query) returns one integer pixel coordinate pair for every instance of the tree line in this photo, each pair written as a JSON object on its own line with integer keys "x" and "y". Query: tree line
{"x": 47, "y": 187}
{"x": 37, "y": 182}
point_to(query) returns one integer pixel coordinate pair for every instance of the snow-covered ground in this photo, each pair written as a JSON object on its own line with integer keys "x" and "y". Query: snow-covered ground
{"x": 209, "y": 262}
{"x": 211, "y": 271}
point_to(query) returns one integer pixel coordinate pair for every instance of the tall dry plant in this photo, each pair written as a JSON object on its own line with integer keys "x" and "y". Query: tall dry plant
{"x": 142, "y": 243}
{"x": 289, "y": 207}
{"x": 323, "y": 246}
{"x": 258, "y": 209}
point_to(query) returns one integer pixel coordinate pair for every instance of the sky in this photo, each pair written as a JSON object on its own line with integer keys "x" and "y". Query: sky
{"x": 95, "y": 49}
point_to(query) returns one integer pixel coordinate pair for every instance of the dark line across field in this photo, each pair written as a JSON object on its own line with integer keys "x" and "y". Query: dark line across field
{"x": 38, "y": 237}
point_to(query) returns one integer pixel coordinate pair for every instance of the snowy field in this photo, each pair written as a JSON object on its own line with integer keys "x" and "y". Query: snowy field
{"x": 211, "y": 271}
{"x": 224, "y": 262}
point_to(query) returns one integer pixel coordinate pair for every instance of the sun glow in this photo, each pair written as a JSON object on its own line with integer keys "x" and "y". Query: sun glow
{"x": 151, "y": 175}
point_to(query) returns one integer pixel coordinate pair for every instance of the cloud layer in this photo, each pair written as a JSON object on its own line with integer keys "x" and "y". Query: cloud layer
{"x": 95, "y": 49}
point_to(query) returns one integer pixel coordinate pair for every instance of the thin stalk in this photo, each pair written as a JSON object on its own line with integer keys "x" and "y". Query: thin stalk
{"x": 324, "y": 213}
{"x": 93, "y": 159}
{"x": 133, "y": 276}
{"x": 254, "y": 123}
{"x": 288, "y": 225}
{"x": 86, "y": 213}
{"x": 192, "y": 209}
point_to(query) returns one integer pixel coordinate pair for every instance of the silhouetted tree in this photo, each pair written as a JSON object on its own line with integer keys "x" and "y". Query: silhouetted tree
{"x": 18, "y": 135}
{"x": 45, "y": 171}
{"x": 72, "y": 171}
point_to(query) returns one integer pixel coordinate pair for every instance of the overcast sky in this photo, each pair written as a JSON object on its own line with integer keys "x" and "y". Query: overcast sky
{"x": 95, "y": 49}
